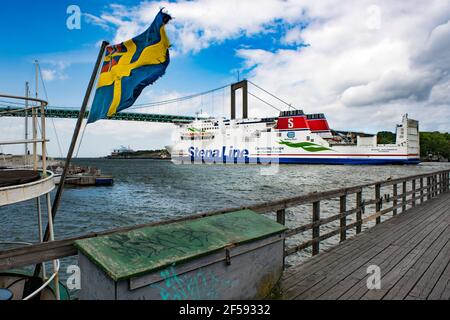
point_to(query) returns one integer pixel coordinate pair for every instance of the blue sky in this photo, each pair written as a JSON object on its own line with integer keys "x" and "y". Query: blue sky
{"x": 365, "y": 64}
{"x": 45, "y": 37}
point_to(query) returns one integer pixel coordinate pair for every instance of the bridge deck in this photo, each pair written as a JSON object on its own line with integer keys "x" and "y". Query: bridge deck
{"x": 411, "y": 249}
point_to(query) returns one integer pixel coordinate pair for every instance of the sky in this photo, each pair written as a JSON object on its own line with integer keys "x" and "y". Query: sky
{"x": 362, "y": 63}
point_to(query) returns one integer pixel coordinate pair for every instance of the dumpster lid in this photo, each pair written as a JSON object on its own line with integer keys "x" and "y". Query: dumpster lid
{"x": 141, "y": 251}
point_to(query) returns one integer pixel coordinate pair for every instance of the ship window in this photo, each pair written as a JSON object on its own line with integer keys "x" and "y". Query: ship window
{"x": 307, "y": 138}
{"x": 312, "y": 140}
{"x": 279, "y": 134}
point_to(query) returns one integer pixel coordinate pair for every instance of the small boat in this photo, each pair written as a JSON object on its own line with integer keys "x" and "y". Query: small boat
{"x": 87, "y": 179}
{"x": 83, "y": 176}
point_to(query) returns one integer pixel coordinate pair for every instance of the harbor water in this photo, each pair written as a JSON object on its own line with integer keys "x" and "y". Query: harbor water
{"x": 154, "y": 190}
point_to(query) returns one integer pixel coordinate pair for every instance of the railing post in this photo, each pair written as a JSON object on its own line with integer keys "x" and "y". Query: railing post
{"x": 404, "y": 197}
{"x": 436, "y": 189}
{"x": 343, "y": 221}
{"x": 445, "y": 176}
{"x": 358, "y": 212}
{"x": 444, "y": 179}
{"x": 447, "y": 182}
{"x": 394, "y": 195}
{"x": 438, "y": 183}
{"x": 428, "y": 188}
{"x": 434, "y": 185}
{"x": 316, "y": 228}
{"x": 378, "y": 200}
{"x": 414, "y": 192}
{"x": 421, "y": 190}
{"x": 281, "y": 216}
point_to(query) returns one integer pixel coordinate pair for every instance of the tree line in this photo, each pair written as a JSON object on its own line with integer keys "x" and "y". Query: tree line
{"x": 431, "y": 143}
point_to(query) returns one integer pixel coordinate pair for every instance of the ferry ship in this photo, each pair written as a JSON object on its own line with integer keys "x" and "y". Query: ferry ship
{"x": 293, "y": 137}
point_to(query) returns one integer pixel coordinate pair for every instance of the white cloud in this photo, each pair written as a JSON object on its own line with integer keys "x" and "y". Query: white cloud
{"x": 390, "y": 87}
{"x": 92, "y": 19}
{"x": 364, "y": 76}
{"x": 198, "y": 24}
{"x": 54, "y": 65}
{"x": 58, "y": 73}
{"x": 293, "y": 36}
{"x": 48, "y": 75}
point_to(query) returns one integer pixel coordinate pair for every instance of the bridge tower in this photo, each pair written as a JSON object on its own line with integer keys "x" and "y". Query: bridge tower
{"x": 234, "y": 87}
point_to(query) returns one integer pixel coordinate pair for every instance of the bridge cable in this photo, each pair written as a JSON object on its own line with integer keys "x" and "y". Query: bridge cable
{"x": 53, "y": 121}
{"x": 169, "y": 101}
{"x": 269, "y": 104}
{"x": 81, "y": 140}
{"x": 271, "y": 94}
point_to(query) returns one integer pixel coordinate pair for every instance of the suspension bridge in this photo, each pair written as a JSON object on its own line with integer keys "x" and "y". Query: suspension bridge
{"x": 8, "y": 109}
{"x": 65, "y": 113}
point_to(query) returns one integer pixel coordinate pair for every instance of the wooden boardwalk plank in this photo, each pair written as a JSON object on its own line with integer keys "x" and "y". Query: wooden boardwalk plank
{"x": 390, "y": 280}
{"x": 402, "y": 288}
{"x": 355, "y": 257}
{"x": 441, "y": 290}
{"x": 393, "y": 252}
{"x": 429, "y": 279}
{"x": 344, "y": 251}
{"x": 412, "y": 250}
{"x": 358, "y": 290}
{"x": 349, "y": 246}
{"x": 354, "y": 287}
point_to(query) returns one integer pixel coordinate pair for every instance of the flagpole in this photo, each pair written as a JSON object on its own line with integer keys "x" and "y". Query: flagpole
{"x": 76, "y": 132}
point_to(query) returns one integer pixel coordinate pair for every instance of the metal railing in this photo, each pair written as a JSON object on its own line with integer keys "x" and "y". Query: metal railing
{"x": 27, "y": 191}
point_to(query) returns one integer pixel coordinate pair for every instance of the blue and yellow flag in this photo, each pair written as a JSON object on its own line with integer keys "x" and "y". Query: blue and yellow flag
{"x": 129, "y": 67}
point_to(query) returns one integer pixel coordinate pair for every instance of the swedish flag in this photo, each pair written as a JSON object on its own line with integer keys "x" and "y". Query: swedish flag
{"x": 129, "y": 67}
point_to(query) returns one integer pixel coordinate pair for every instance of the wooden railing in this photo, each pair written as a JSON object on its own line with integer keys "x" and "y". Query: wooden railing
{"x": 414, "y": 189}
{"x": 390, "y": 196}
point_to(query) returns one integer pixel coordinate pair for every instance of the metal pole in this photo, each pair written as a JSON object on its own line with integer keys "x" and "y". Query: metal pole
{"x": 38, "y": 200}
{"x": 35, "y": 162}
{"x": 52, "y": 237}
{"x": 27, "y": 91}
{"x": 34, "y": 128}
{"x": 44, "y": 144}
{"x": 36, "y": 67}
{"x": 76, "y": 132}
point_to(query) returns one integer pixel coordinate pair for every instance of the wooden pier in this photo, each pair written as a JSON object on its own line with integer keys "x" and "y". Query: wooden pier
{"x": 412, "y": 251}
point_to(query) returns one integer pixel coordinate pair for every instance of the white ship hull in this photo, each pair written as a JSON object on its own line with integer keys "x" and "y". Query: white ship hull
{"x": 281, "y": 140}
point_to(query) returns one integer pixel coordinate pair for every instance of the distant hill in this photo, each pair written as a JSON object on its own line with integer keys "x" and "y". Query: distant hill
{"x": 435, "y": 143}
{"x": 431, "y": 143}
{"x": 162, "y": 154}
{"x": 385, "y": 137}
